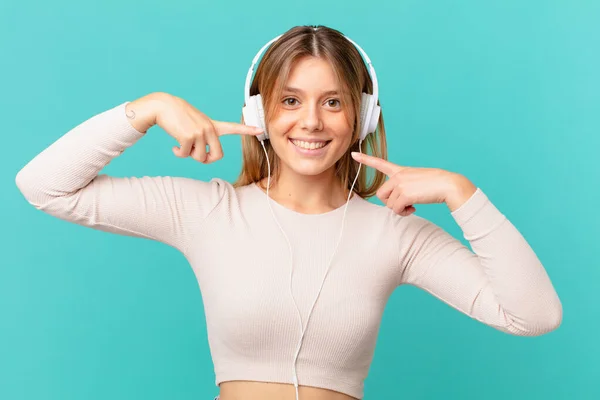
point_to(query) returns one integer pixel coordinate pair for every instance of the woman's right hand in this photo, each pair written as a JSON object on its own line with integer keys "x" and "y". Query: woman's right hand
{"x": 191, "y": 128}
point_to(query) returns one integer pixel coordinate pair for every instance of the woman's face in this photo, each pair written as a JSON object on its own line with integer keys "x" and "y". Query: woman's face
{"x": 310, "y": 131}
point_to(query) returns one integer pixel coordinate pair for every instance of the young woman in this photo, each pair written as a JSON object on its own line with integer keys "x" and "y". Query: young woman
{"x": 294, "y": 264}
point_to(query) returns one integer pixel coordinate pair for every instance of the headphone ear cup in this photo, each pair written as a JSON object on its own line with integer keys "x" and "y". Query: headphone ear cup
{"x": 254, "y": 115}
{"x": 261, "y": 118}
{"x": 364, "y": 108}
{"x": 369, "y": 115}
{"x": 374, "y": 120}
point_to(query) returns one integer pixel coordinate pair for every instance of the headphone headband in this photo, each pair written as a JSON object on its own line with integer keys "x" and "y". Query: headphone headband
{"x": 251, "y": 70}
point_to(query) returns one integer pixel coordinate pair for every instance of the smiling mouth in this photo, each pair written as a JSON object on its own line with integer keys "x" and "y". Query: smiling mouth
{"x": 309, "y": 145}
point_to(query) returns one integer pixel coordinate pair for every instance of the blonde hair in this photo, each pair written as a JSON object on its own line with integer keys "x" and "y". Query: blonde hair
{"x": 353, "y": 76}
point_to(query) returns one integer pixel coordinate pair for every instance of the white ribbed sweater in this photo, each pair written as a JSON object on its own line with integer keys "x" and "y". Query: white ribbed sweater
{"x": 241, "y": 259}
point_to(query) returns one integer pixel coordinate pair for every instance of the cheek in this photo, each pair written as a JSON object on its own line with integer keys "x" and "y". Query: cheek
{"x": 341, "y": 128}
{"x": 282, "y": 124}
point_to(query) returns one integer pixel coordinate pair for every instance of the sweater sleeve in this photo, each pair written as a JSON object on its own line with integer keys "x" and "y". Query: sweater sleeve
{"x": 64, "y": 181}
{"x": 501, "y": 282}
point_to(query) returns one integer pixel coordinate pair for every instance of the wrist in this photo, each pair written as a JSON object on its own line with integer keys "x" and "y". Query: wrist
{"x": 461, "y": 190}
{"x": 142, "y": 113}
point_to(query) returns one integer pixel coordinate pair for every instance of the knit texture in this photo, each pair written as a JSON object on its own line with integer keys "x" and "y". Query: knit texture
{"x": 243, "y": 263}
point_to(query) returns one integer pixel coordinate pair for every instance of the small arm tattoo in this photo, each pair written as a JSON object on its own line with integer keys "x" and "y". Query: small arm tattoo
{"x": 130, "y": 114}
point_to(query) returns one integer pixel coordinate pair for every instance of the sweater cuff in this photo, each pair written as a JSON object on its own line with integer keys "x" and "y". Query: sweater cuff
{"x": 477, "y": 216}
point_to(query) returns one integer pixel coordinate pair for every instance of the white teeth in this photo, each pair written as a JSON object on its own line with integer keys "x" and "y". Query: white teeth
{"x": 309, "y": 145}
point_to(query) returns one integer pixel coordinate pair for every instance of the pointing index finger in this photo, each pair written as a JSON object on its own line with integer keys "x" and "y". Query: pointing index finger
{"x": 379, "y": 164}
{"x": 232, "y": 128}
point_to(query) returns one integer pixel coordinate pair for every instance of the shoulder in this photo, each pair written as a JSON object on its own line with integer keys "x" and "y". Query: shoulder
{"x": 192, "y": 193}
{"x": 376, "y": 216}
{"x": 196, "y": 187}
{"x": 368, "y": 208}
{"x": 218, "y": 190}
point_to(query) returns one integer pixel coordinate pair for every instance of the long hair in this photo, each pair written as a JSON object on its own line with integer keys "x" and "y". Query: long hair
{"x": 353, "y": 76}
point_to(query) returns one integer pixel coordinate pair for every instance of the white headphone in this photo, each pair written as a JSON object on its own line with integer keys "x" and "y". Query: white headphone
{"x": 254, "y": 113}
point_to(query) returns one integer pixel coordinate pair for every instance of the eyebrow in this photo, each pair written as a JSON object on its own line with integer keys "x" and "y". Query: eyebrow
{"x": 296, "y": 90}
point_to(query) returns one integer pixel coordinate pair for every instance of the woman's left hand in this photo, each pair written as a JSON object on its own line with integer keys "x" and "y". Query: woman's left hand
{"x": 408, "y": 186}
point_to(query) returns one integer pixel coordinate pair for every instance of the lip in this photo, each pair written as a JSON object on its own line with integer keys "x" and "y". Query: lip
{"x": 310, "y": 140}
{"x": 306, "y": 152}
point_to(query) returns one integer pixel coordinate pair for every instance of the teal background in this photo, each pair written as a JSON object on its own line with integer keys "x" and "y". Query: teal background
{"x": 504, "y": 92}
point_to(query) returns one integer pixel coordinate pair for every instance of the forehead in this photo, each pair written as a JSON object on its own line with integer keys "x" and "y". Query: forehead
{"x": 312, "y": 72}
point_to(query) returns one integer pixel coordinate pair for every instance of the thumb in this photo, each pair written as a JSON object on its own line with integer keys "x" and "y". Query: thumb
{"x": 232, "y": 128}
{"x": 177, "y": 151}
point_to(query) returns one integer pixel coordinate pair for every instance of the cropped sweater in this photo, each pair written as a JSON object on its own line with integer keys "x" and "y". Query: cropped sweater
{"x": 242, "y": 261}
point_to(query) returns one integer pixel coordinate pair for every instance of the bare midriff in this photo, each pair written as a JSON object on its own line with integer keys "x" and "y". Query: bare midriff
{"x": 247, "y": 390}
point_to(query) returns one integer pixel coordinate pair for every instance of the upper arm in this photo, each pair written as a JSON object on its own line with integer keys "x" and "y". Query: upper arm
{"x": 164, "y": 209}
{"x": 435, "y": 261}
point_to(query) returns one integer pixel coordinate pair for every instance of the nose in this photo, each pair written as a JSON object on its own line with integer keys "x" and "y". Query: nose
{"x": 311, "y": 118}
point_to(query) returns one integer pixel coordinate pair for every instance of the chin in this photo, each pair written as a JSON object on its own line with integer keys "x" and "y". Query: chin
{"x": 310, "y": 166}
{"x": 307, "y": 170}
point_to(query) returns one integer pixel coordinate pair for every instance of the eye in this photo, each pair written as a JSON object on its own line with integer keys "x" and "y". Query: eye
{"x": 287, "y": 103}
{"x": 336, "y": 102}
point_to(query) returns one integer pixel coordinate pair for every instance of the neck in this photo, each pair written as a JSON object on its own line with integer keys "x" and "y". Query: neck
{"x": 309, "y": 194}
